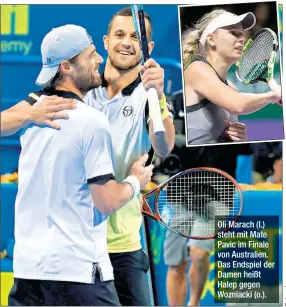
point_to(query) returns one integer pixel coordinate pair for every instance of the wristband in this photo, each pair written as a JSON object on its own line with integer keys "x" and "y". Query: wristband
{"x": 163, "y": 108}
{"x": 135, "y": 184}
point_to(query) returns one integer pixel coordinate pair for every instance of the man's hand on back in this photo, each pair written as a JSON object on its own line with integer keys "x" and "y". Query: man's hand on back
{"x": 49, "y": 109}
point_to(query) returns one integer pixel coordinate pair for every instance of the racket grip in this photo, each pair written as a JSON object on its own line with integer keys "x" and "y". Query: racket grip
{"x": 155, "y": 112}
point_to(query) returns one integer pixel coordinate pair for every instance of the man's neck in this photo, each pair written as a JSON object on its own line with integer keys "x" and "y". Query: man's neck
{"x": 117, "y": 80}
{"x": 70, "y": 88}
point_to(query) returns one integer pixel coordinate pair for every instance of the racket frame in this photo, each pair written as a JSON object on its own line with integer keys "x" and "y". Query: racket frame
{"x": 146, "y": 209}
{"x": 140, "y": 28}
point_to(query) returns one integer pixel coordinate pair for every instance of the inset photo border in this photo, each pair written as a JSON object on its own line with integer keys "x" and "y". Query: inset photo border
{"x": 231, "y": 78}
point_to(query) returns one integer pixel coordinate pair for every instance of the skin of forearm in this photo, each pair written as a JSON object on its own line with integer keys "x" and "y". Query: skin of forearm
{"x": 111, "y": 196}
{"x": 252, "y": 102}
{"x": 13, "y": 121}
{"x": 122, "y": 195}
{"x": 163, "y": 144}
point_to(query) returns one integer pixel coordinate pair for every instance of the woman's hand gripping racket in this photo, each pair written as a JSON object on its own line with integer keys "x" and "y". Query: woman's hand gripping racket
{"x": 153, "y": 101}
{"x": 258, "y": 59}
{"x": 190, "y": 202}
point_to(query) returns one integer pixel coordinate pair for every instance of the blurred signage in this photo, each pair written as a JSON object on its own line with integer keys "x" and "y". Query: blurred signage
{"x": 15, "y": 21}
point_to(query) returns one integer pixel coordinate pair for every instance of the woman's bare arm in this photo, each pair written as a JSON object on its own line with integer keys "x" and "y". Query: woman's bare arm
{"x": 203, "y": 80}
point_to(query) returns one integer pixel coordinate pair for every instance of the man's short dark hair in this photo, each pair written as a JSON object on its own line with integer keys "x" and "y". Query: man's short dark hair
{"x": 126, "y": 11}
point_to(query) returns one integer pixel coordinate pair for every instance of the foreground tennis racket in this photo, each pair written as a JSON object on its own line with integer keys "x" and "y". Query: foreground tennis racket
{"x": 189, "y": 202}
{"x": 153, "y": 101}
{"x": 258, "y": 59}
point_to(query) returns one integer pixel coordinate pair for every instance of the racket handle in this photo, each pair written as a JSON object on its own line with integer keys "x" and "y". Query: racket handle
{"x": 155, "y": 112}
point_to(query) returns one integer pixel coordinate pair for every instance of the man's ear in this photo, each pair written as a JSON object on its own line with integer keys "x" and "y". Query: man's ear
{"x": 65, "y": 66}
{"x": 151, "y": 46}
{"x": 105, "y": 42}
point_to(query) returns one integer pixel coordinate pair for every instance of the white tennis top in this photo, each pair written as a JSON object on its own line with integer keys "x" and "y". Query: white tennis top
{"x": 59, "y": 233}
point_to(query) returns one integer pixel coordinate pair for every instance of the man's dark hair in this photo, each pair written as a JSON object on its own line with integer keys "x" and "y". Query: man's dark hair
{"x": 126, "y": 11}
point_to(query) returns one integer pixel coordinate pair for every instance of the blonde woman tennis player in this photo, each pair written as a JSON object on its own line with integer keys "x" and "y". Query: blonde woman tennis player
{"x": 212, "y": 102}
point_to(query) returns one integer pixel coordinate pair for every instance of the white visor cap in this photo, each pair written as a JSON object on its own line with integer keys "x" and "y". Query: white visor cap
{"x": 248, "y": 21}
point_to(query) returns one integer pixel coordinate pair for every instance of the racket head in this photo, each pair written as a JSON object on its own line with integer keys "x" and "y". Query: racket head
{"x": 258, "y": 57}
{"x": 189, "y": 202}
{"x": 135, "y": 17}
{"x": 140, "y": 28}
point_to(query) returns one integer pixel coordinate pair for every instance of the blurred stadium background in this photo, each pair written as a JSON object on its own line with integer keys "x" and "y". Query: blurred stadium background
{"x": 22, "y": 29}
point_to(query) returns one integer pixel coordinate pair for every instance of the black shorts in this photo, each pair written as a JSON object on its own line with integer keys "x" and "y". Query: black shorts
{"x": 130, "y": 277}
{"x": 28, "y": 292}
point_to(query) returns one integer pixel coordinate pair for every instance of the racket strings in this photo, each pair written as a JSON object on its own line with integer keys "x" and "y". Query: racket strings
{"x": 192, "y": 201}
{"x": 256, "y": 57}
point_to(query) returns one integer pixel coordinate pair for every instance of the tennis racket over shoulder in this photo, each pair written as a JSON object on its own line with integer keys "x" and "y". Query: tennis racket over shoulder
{"x": 258, "y": 59}
{"x": 189, "y": 202}
{"x": 153, "y": 100}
